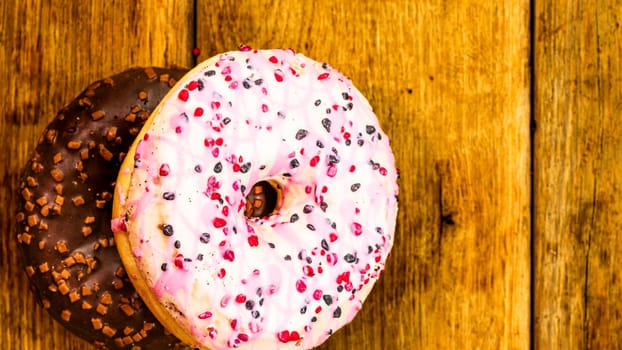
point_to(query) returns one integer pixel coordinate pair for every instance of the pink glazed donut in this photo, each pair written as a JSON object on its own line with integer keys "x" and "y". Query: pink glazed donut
{"x": 257, "y": 207}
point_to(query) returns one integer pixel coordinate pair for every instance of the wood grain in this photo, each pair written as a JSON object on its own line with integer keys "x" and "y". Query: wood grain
{"x": 578, "y": 143}
{"x": 450, "y": 85}
{"x": 50, "y": 51}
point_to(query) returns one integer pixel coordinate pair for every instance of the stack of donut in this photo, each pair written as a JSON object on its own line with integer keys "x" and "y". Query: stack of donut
{"x": 255, "y": 208}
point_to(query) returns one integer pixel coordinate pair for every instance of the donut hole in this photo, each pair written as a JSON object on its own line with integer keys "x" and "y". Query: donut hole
{"x": 262, "y": 200}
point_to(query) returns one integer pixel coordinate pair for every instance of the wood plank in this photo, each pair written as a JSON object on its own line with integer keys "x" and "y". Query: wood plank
{"x": 50, "y": 51}
{"x": 578, "y": 249}
{"x": 450, "y": 85}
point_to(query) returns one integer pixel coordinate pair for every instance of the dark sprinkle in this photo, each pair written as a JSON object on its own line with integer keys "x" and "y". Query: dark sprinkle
{"x": 245, "y": 167}
{"x": 169, "y": 196}
{"x": 325, "y": 65}
{"x": 327, "y": 299}
{"x": 360, "y": 142}
{"x": 200, "y": 257}
{"x": 271, "y": 245}
{"x": 167, "y": 230}
{"x": 333, "y": 159}
{"x": 187, "y": 259}
{"x": 198, "y": 168}
{"x": 328, "y": 111}
{"x": 184, "y": 116}
{"x": 324, "y": 244}
{"x": 287, "y": 174}
{"x": 163, "y": 267}
{"x": 280, "y": 114}
{"x": 177, "y": 244}
{"x": 333, "y": 225}
{"x": 326, "y": 124}
{"x": 137, "y": 163}
{"x": 300, "y": 255}
{"x": 355, "y": 187}
{"x": 246, "y": 84}
{"x": 370, "y": 129}
{"x": 261, "y": 302}
{"x": 210, "y": 73}
{"x": 307, "y": 209}
{"x": 255, "y": 314}
{"x": 226, "y": 121}
{"x": 258, "y": 82}
{"x": 317, "y": 102}
{"x": 313, "y": 319}
{"x": 262, "y": 167}
{"x": 249, "y": 304}
{"x": 294, "y": 163}
{"x": 309, "y": 260}
{"x": 350, "y": 106}
{"x": 379, "y": 137}
{"x": 218, "y": 167}
{"x": 370, "y": 249}
{"x": 287, "y": 257}
{"x": 258, "y": 292}
{"x": 303, "y": 310}
{"x": 301, "y": 134}
{"x": 340, "y": 288}
{"x": 330, "y": 332}
{"x": 379, "y": 230}
{"x": 234, "y": 229}
{"x": 293, "y": 218}
{"x": 311, "y": 227}
{"x": 205, "y": 237}
{"x": 349, "y": 258}
{"x": 319, "y": 144}
{"x": 348, "y": 142}
{"x": 345, "y": 95}
{"x": 337, "y": 312}
{"x": 323, "y": 206}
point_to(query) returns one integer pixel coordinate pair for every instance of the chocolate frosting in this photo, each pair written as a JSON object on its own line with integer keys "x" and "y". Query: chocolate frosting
{"x": 65, "y": 200}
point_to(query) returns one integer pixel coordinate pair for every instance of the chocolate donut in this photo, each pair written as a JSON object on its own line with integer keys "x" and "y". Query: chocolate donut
{"x": 64, "y": 212}
{"x": 257, "y": 207}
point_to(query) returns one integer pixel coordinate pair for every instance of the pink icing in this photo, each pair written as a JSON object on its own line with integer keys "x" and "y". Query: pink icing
{"x": 288, "y": 280}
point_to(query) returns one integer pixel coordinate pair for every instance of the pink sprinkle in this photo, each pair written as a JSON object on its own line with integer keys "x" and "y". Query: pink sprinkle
{"x": 225, "y": 301}
{"x": 236, "y": 167}
{"x": 346, "y": 135}
{"x": 193, "y": 85}
{"x": 253, "y": 241}
{"x": 332, "y": 171}
{"x": 356, "y": 229}
{"x": 228, "y": 255}
{"x": 179, "y": 261}
{"x": 183, "y": 95}
{"x": 196, "y": 52}
{"x": 219, "y": 141}
{"x": 317, "y": 294}
{"x": 243, "y": 337}
{"x": 225, "y": 210}
{"x": 301, "y": 286}
{"x": 278, "y": 75}
{"x": 212, "y": 333}
{"x": 273, "y": 59}
{"x": 219, "y": 222}
{"x": 319, "y": 268}
{"x": 164, "y": 169}
{"x": 215, "y": 152}
{"x": 352, "y": 168}
{"x": 178, "y": 130}
{"x": 245, "y": 48}
{"x": 215, "y": 105}
{"x": 226, "y": 70}
{"x": 318, "y": 309}
{"x": 308, "y": 189}
{"x": 256, "y": 272}
{"x": 222, "y": 273}
{"x": 308, "y": 271}
{"x": 198, "y": 112}
{"x": 208, "y": 142}
{"x": 233, "y": 85}
{"x": 322, "y": 76}
{"x": 205, "y": 315}
{"x": 314, "y": 161}
{"x": 332, "y": 237}
{"x": 293, "y": 336}
{"x": 283, "y": 336}
{"x": 383, "y": 171}
{"x": 264, "y": 108}
{"x": 240, "y": 298}
{"x": 324, "y": 189}
{"x": 146, "y": 137}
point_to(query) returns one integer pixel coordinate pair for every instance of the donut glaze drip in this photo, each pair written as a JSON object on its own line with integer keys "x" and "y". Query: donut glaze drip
{"x": 284, "y": 281}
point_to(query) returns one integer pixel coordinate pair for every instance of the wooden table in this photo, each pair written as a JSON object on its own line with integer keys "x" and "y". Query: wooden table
{"x": 505, "y": 119}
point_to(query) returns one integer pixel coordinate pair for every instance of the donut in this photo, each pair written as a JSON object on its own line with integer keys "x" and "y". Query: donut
{"x": 257, "y": 207}
{"x": 65, "y": 207}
